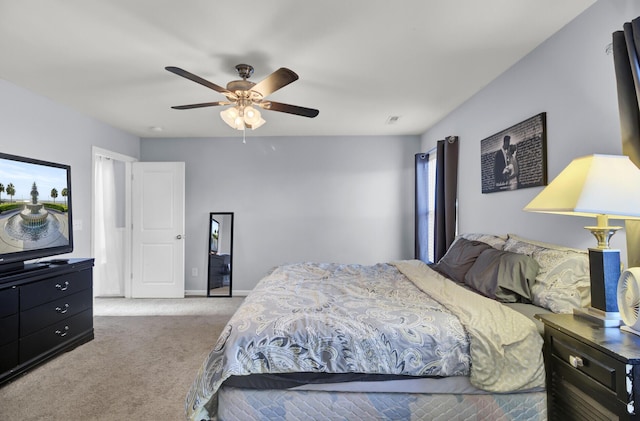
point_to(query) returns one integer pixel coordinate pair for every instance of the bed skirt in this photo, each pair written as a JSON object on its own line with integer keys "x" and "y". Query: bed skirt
{"x": 251, "y": 404}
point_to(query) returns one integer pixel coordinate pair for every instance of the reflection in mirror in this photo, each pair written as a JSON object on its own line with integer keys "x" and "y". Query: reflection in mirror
{"x": 219, "y": 254}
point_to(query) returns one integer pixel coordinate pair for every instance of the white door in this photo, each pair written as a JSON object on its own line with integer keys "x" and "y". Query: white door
{"x": 158, "y": 230}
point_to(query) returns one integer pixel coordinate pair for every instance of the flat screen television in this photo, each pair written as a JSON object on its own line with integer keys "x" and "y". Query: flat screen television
{"x": 35, "y": 210}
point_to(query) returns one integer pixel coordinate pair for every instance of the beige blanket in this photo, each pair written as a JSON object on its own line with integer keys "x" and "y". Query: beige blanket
{"x": 506, "y": 348}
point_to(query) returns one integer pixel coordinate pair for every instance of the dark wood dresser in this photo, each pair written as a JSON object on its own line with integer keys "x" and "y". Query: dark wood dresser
{"x": 218, "y": 269}
{"x": 593, "y": 372}
{"x": 45, "y": 310}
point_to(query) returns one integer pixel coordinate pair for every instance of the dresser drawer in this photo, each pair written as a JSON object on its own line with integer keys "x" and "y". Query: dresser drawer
{"x": 8, "y": 356}
{"x": 598, "y": 366}
{"x": 572, "y": 398}
{"x": 9, "y": 329}
{"x": 57, "y": 334}
{"x": 41, "y": 292}
{"x": 8, "y": 301}
{"x": 52, "y": 312}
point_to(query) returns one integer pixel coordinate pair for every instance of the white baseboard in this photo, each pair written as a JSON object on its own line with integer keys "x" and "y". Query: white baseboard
{"x": 195, "y": 293}
{"x": 203, "y": 293}
{"x": 241, "y": 292}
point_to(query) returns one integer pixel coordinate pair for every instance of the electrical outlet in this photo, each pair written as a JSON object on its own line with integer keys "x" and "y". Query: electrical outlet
{"x": 194, "y": 271}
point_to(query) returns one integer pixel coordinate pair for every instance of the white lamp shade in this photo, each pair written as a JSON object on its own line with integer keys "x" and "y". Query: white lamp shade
{"x": 257, "y": 124}
{"x": 593, "y": 185}
{"x": 231, "y": 116}
{"x": 251, "y": 116}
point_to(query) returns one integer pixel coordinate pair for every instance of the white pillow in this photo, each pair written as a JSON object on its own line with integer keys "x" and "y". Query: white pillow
{"x": 495, "y": 241}
{"x": 563, "y": 282}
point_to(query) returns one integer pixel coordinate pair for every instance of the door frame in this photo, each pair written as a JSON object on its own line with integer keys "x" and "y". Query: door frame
{"x": 127, "y": 160}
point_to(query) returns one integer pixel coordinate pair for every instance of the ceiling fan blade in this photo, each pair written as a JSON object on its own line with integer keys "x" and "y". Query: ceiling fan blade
{"x": 180, "y": 72}
{"x": 204, "y": 104}
{"x": 291, "y": 109}
{"x": 276, "y": 80}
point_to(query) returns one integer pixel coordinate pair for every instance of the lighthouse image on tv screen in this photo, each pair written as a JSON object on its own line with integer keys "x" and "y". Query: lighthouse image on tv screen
{"x": 34, "y": 208}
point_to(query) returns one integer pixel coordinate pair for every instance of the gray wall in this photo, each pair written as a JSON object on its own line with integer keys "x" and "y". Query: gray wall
{"x": 327, "y": 199}
{"x": 571, "y": 77}
{"x": 36, "y": 127}
{"x": 350, "y": 199}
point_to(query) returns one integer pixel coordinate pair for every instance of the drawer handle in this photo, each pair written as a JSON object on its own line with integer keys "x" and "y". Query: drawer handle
{"x": 63, "y": 288}
{"x": 62, "y": 310}
{"x": 61, "y": 333}
{"x": 575, "y": 361}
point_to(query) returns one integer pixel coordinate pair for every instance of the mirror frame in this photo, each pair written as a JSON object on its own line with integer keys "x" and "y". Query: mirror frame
{"x": 216, "y": 216}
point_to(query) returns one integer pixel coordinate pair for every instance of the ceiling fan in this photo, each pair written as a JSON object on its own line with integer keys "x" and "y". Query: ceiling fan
{"x": 245, "y": 95}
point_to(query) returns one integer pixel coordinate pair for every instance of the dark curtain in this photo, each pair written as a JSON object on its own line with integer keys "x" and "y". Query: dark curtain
{"x": 626, "y": 44}
{"x": 422, "y": 207}
{"x": 446, "y": 195}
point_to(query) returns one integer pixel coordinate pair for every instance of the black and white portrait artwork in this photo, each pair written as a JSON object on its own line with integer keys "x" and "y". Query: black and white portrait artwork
{"x": 515, "y": 158}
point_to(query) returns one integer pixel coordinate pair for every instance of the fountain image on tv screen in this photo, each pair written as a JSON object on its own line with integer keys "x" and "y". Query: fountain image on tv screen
{"x": 34, "y": 206}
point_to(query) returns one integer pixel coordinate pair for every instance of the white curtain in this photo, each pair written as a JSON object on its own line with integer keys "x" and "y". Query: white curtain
{"x": 107, "y": 273}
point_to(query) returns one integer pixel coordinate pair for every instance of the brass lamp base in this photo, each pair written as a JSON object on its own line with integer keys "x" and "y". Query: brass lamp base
{"x": 603, "y": 235}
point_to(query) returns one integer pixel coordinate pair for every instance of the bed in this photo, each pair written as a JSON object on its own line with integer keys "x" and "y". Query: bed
{"x": 401, "y": 340}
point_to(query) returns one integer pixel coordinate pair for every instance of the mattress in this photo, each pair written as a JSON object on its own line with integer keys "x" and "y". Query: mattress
{"x": 250, "y": 404}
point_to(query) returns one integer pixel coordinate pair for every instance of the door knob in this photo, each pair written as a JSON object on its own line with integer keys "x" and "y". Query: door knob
{"x": 179, "y": 237}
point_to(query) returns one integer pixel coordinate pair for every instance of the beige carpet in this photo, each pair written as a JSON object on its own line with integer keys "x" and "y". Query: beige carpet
{"x": 138, "y": 367}
{"x": 190, "y": 306}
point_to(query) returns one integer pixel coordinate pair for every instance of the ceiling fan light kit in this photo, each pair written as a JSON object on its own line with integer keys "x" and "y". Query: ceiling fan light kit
{"x": 245, "y": 96}
{"x": 239, "y": 119}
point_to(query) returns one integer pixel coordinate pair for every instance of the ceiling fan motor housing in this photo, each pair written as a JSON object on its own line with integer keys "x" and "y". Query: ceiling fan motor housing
{"x": 240, "y": 85}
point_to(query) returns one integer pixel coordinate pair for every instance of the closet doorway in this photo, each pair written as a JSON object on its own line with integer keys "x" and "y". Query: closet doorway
{"x": 111, "y": 214}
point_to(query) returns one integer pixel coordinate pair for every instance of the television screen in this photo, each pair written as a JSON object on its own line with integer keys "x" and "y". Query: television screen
{"x": 35, "y": 209}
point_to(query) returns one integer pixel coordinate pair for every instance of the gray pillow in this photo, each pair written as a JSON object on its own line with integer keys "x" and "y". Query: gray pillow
{"x": 459, "y": 258}
{"x": 503, "y": 275}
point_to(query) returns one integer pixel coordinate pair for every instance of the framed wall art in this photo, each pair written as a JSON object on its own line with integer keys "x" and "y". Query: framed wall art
{"x": 515, "y": 158}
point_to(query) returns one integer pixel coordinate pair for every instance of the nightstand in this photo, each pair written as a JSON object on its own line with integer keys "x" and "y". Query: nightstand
{"x": 593, "y": 372}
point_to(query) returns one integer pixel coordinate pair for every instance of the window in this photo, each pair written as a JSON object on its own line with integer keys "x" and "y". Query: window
{"x": 425, "y": 205}
{"x": 431, "y": 204}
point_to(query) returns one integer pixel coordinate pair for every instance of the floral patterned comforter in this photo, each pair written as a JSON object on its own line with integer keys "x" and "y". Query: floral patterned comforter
{"x": 331, "y": 318}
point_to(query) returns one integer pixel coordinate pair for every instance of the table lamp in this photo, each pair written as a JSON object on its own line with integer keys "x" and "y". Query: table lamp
{"x": 600, "y": 186}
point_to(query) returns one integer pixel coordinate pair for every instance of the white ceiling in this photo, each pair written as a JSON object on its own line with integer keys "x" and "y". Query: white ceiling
{"x": 359, "y": 61}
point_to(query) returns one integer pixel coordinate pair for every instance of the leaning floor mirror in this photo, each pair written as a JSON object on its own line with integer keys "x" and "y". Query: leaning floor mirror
{"x": 220, "y": 254}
